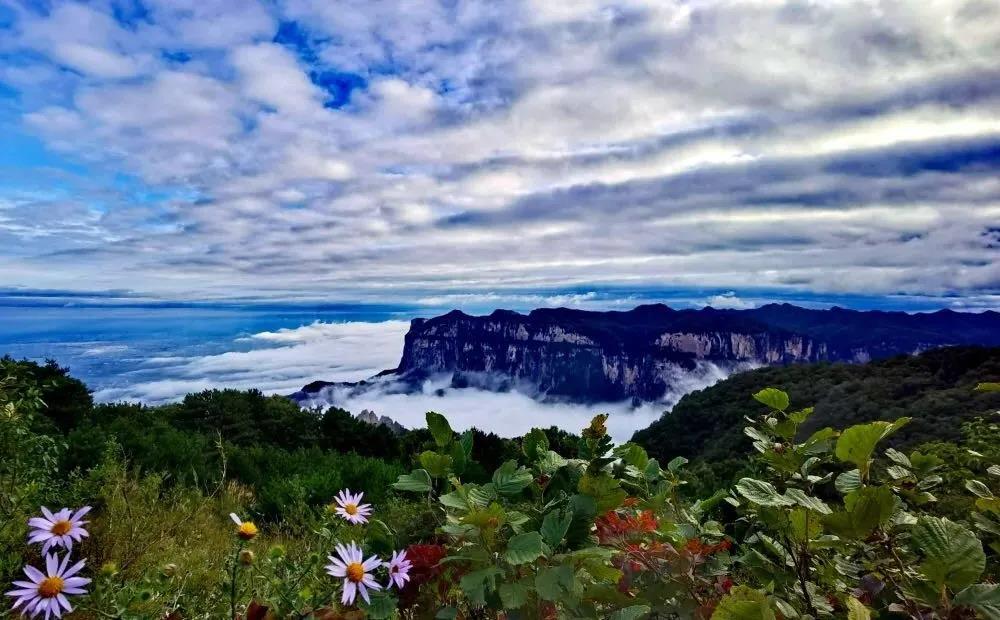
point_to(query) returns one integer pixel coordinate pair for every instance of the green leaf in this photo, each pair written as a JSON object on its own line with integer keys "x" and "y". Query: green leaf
{"x": 459, "y": 460}
{"x": 482, "y": 495}
{"x": 446, "y": 613}
{"x": 631, "y": 613}
{"x": 978, "y": 488}
{"x": 993, "y": 470}
{"x": 804, "y": 526}
{"x": 509, "y": 479}
{"x": 856, "y": 610}
{"x": 743, "y": 603}
{"x": 984, "y": 598}
{"x": 418, "y": 481}
{"x": 988, "y": 387}
{"x": 898, "y": 457}
{"x": 454, "y": 500}
{"x": 550, "y": 582}
{"x": 773, "y": 398}
{"x": 806, "y": 501}
{"x": 440, "y": 429}
{"x": 605, "y": 490}
{"x": 525, "y": 548}
{"x": 474, "y": 584}
{"x": 848, "y": 481}
{"x": 953, "y": 556}
{"x": 514, "y": 594}
{"x": 857, "y": 443}
{"x": 382, "y": 606}
{"x": 865, "y": 509}
{"x": 675, "y": 464}
{"x": 437, "y": 465}
{"x": 465, "y": 440}
{"x": 555, "y": 525}
{"x": 762, "y": 493}
{"x": 632, "y": 454}
{"x": 535, "y": 444}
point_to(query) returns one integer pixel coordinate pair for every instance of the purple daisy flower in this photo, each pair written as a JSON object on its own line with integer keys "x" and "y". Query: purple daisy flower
{"x": 355, "y": 571}
{"x": 46, "y": 592}
{"x": 399, "y": 569}
{"x": 58, "y": 530}
{"x": 350, "y": 508}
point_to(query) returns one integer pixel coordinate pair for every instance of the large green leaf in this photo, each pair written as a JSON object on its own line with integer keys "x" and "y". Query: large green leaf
{"x": 762, "y": 493}
{"x": 514, "y": 594}
{"x": 525, "y": 548}
{"x": 773, "y": 398}
{"x": 988, "y": 387}
{"x": 437, "y": 465}
{"x": 982, "y": 597}
{"x": 848, "y": 481}
{"x": 807, "y": 501}
{"x": 857, "y": 443}
{"x": 509, "y": 479}
{"x": 632, "y": 454}
{"x": 474, "y": 584}
{"x": 953, "y": 555}
{"x": 440, "y": 429}
{"x": 743, "y": 603}
{"x": 864, "y": 510}
{"x": 417, "y": 480}
{"x": 552, "y": 581}
{"x": 555, "y": 525}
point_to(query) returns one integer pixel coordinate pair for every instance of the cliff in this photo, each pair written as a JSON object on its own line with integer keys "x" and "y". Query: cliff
{"x": 609, "y": 356}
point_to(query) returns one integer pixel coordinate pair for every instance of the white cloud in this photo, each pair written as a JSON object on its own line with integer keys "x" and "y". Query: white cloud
{"x": 729, "y": 300}
{"x": 435, "y": 150}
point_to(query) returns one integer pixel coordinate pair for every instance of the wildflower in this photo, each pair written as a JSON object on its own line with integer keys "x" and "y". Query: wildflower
{"x": 613, "y": 526}
{"x": 246, "y": 557}
{"x": 58, "y": 530}
{"x": 169, "y": 570}
{"x": 350, "y": 508}
{"x": 245, "y": 529}
{"x": 355, "y": 572}
{"x": 46, "y": 592}
{"x": 399, "y": 569}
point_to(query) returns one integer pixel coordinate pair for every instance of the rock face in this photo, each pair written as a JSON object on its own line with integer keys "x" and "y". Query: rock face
{"x": 611, "y": 356}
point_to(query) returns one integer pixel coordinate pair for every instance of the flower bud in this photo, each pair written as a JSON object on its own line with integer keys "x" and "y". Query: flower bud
{"x": 246, "y": 557}
{"x": 109, "y": 569}
{"x": 276, "y": 552}
{"x": 170, "y": 570}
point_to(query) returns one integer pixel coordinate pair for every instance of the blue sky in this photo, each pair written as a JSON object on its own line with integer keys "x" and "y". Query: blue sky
{"x": 515, "y": 153}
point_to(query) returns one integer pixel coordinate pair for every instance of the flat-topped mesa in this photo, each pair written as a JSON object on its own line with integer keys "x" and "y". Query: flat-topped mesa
{"x": 607, "y": 356}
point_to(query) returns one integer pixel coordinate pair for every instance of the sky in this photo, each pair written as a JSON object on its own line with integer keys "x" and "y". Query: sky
{"x": 442, "y": 153}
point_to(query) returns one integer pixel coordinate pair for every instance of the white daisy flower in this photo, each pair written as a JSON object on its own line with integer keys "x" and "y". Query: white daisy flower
{"x": 399, "y": 569}
{"x": 58, "y": 530}
{"x": 355, "y": 572}
{"x": 46, "y": 592}
{"x": 350, "y": 508}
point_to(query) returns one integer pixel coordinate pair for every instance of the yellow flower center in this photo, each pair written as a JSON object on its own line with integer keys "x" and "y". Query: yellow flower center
{"x": 50, "y": 586}
{"x": 61, "y": 528}
{"x": 247, "y": 530}
{"x": 351, "y": 509}
{"x": 355, "y": 572}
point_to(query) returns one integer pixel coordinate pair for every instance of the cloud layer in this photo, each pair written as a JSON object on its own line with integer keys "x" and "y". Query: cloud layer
{"x": 281, "y": 362}
{"x": 423, "y": 150}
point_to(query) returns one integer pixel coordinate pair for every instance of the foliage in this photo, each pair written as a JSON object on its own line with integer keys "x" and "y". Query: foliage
{"x": 822, "y": 523}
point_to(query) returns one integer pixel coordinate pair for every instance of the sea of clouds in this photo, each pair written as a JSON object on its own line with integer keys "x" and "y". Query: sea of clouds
{"x": 282, "y": 361}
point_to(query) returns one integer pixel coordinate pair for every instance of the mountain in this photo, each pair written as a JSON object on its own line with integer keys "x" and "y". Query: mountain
{"x": 610, "y": 356}
{"x": 935, "y": 389}
{"x": 641, "y": 354}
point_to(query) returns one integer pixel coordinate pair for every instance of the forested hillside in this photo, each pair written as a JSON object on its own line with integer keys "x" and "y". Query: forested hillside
{"x": 935, "y": 389}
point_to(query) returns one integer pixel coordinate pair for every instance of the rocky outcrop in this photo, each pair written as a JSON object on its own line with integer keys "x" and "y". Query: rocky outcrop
{"x": 610, "y": 356}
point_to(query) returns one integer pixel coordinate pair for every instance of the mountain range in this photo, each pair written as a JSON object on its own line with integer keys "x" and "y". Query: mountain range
{"x": 641, "y": 354}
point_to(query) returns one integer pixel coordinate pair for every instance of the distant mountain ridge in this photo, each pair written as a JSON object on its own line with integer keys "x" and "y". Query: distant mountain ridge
{"x": 584, "y": 356}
